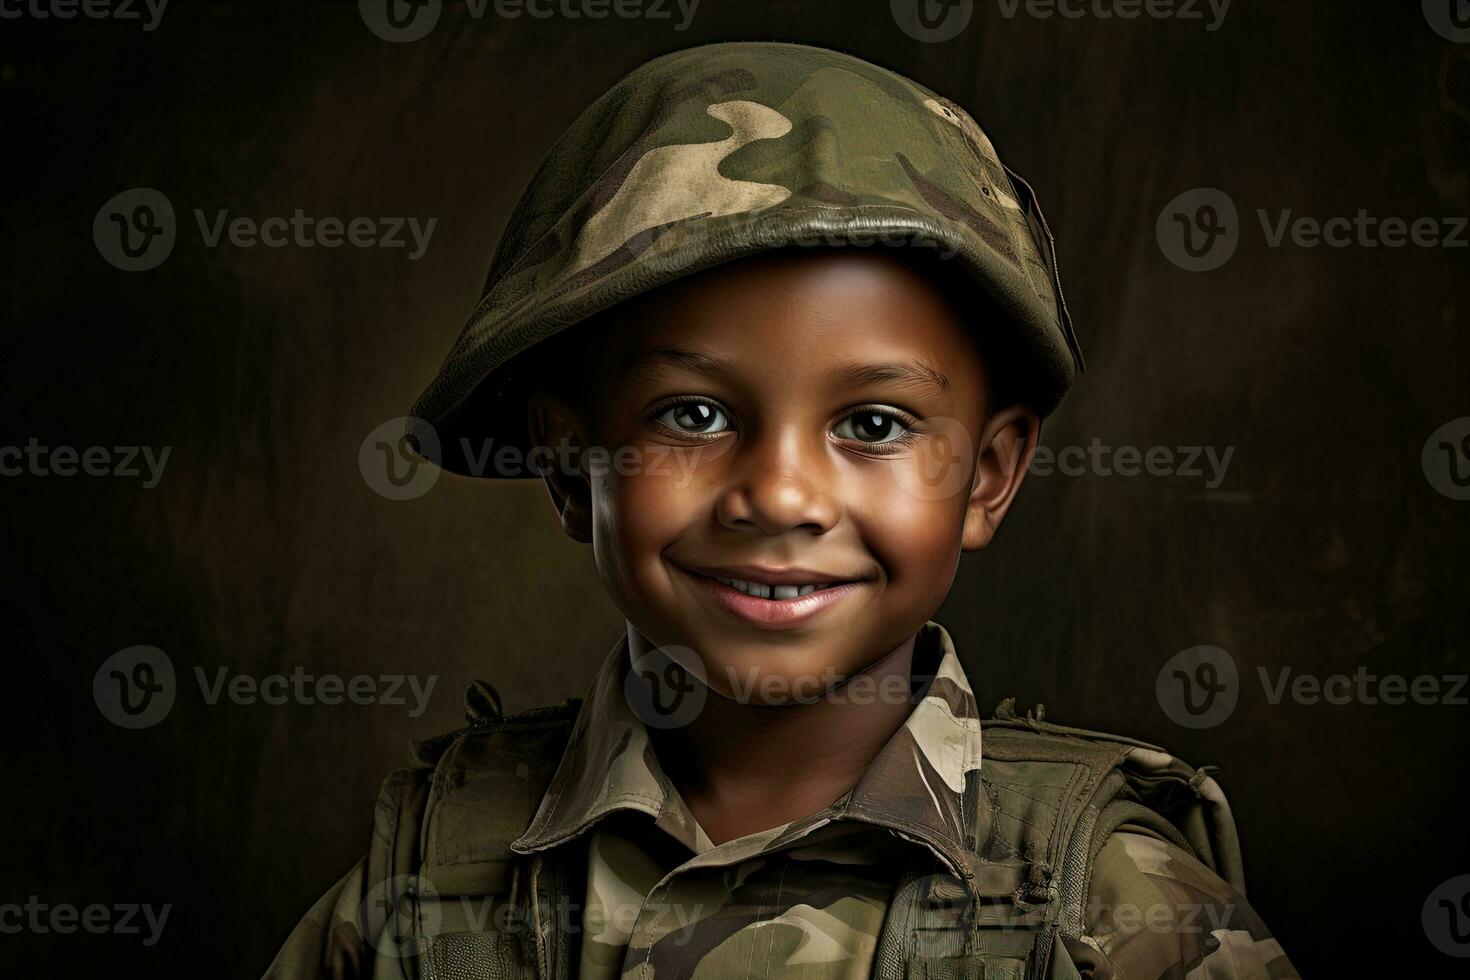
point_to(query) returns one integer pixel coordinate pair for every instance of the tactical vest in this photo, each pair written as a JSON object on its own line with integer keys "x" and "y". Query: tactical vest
{"x": 455, "y": 903}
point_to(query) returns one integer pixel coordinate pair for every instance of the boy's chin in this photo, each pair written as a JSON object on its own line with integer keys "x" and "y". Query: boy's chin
{"x": 793, "y": 670}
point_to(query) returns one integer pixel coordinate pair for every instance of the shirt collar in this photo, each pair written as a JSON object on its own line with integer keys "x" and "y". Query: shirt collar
{"x": 924, "y": 784}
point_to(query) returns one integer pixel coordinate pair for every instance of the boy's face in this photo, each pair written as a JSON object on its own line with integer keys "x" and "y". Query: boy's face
{"x": 812, "y": 423}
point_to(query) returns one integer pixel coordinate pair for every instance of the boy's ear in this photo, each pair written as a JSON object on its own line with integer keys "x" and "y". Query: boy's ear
{"x": 553, "y": 423}
{"x": 1007, "y": 445}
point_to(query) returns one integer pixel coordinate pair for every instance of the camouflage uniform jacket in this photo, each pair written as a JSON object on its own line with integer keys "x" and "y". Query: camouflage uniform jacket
{"x": 809, "y": 898}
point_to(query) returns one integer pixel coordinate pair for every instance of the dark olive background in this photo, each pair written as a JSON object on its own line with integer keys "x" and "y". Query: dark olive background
{"x": 263, "y": 548}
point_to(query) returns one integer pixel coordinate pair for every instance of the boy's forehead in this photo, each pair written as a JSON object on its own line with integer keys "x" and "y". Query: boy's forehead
{"x": 812, "y": 312}
{"x": 868, "y": 296}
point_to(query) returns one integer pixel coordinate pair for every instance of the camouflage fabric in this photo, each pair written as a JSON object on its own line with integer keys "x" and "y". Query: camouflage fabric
{"x": 1155, "y": 911}
{"x": 716, "y": 152}
{"x": 807, "y": 899}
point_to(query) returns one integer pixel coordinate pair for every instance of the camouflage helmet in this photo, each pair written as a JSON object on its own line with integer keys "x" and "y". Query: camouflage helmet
{"x": 720, "y": 151}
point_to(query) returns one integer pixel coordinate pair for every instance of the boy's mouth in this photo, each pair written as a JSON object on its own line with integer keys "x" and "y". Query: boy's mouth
{"x": 763, "y": 590}
{"x": 774, "y": 598}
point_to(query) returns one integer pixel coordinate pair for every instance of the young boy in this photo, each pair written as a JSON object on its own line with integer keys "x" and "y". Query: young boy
{"x": 777, "y": 330}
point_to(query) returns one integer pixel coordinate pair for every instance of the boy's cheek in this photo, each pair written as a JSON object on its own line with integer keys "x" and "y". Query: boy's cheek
{"x": 917, "y": 542}
{"x": 898, "y": 502}
{"x": 652, "y": 499}
{"x": 939, "y": 469}
{"x": 637, "y": 517}
{"x": 684, "y": 465}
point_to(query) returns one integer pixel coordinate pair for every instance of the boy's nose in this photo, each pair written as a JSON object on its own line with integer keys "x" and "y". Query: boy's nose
{"x": 778, "y": 488}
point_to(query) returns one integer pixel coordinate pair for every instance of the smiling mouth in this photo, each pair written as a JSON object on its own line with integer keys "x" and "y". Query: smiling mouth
{"x": 785, "y": 604}
{"x": 765, "y": 590}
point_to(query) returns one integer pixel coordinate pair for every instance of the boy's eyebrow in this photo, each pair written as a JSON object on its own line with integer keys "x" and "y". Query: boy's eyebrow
{"x": 914, "y": 374}
{"x": 644, "y": 363}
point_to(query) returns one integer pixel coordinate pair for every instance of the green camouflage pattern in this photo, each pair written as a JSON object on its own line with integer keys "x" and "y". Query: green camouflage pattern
{"x": 917, "y": 783}
{"x": 806, "y": 899}
{"x": 1156, "y": 911}
{"x": 715, "y": 152}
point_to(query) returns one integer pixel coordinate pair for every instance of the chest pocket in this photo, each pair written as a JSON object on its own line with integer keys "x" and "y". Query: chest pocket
{"x": 474, "y": 954}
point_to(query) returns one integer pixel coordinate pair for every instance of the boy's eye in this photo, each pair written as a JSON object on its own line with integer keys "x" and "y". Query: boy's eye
{"x": 872, "y": 427}
{"x": 701, "y": 418}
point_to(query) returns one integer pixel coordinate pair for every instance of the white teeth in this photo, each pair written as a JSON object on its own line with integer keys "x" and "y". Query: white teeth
{"x": 763, "y": 591}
